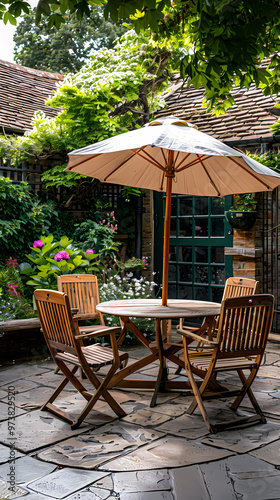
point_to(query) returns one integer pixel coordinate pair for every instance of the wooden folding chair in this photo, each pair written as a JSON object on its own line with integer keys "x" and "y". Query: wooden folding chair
{"x": 234, "y": 287}
{"x": 82, "y": 291}
{"x": 64, "y": 341}
{"x": 244, "y": 325}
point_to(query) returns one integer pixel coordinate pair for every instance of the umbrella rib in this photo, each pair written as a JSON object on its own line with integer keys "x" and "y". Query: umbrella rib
{"x": 192, "y": 163}
{"x": 255, "y": 177}
{"x": 183, "y": 159}
{"x": 150, "y": 159}
{"x": 209, "y": 177}
{"x": 118, "y": 167}
{"x": 81, "y": 162}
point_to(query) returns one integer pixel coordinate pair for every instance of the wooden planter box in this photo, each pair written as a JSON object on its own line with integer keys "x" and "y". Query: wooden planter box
{"x": 21, "y": 338}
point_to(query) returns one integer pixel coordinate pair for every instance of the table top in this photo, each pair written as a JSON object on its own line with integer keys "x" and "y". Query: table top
{"x": 153, "y": 308}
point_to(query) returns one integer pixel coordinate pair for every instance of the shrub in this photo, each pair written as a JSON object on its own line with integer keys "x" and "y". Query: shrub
{"x": 22, "y": 216}
{"x": 50, "y": 259}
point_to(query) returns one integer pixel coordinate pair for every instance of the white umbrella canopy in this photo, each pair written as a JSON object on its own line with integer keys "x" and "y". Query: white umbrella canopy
{"x": 202, "y": 165}
{"x": 171, "y": 155}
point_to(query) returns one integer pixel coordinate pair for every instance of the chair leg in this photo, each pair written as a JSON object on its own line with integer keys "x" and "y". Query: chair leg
{"x": 101, "y": 391}
{"x": 197, "y": 391}
{"x": 247, "y": 390}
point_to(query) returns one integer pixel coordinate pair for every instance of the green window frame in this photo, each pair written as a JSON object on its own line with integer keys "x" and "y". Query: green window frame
{"x": 198, "y": 267}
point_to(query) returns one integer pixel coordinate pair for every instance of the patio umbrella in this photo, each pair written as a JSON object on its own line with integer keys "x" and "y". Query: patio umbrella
{"x": 171, "y": 155}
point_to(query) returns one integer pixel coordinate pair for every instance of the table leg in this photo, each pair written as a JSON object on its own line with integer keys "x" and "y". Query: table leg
{"x": 163, "y": 371}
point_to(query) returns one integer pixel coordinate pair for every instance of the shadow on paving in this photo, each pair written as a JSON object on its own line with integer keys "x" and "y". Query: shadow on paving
{"x": 151, "y": 454}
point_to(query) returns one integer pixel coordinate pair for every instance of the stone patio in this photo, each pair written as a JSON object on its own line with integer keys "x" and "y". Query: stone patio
{"x": 151, "y": 454}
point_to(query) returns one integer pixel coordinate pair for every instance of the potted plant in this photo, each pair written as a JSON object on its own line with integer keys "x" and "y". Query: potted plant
{"x": 242, "y": 215}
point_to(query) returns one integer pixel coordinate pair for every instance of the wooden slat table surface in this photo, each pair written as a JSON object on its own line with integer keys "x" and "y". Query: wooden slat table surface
{"x": 152, "y": 308}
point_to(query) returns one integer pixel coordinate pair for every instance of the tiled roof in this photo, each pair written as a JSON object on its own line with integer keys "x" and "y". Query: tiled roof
{"x": 248, "y": 121}
{"x": 22, "y": 92}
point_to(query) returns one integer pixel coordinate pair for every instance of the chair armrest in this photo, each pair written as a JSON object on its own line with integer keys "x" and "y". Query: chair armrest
{"x": 99, "y": 333}
{"x": 193, "y": 336}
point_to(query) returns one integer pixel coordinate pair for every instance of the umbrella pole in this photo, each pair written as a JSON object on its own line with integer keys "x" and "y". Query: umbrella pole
{"x": 166, "y": 241}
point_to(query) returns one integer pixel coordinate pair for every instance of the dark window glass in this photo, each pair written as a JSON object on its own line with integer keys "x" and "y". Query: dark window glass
{"x": 201, "y": 274}
{"x": 173, "y": 227}
{"x": 217, "y": 227}
{"x": 185, "y": 292}
{"x": 201, "y": 228}
{"x": 172, "y": 292}
{"x": 217, "y": 255}
{"x": 185, "y": 273}
{"x": 172, "y": 272}
{"x": 185, "y": 228}
{"x": 174, "y": 207}
{"x": 217, "y": 206}
{"x": 201, "y": 293}
{"x": 217, "y": 294}
{"x": 201, "y": 205}
{"x": 185, "y": 206}
{"x": 218, "y": 275}
{"x": 185, "y": 254}
{"x": 201, "y": 254}
{"x": 172, "y": 253}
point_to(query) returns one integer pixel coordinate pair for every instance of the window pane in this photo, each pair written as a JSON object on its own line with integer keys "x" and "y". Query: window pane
{"x": 217, "y": 206}
{"x": 185, "y": 273}
{"x": 185, "y": 206}
{"x": 217, "y": 227}
{"x": 201, "y": 274}
{"x": 217, "y": 255}
{"x": 172, "y": 292}
{"x": 173, "y": 227}
{"x": 201, "y": 228}
{"x": 185, "y": 292}
{"x": 185, "y": 254}
{"x": 185, "y": 227}
{"x": 201, "y": 205}
{"x": 201, "y": 293}
{"x": 201, "y": 254}
{"x": 218, "y": 275}
{"x": 172, "y": 253}
{"x": 217, "y": 294}
{"x": 174, "y": 206}
{"x": 172, "y": 272}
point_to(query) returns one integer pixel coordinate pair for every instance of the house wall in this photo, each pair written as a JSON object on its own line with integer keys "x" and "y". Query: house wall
{"x": 148, "y": 232}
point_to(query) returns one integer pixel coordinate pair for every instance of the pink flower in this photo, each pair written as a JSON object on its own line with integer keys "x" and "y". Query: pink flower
{"x": 112, "y": 214}
{"x": 12, "y": 289}
{"x": 38, "y": 244}
{"x": 89, "y": 251}
{"x": 12, "y": 263}
{"x": 61, "y": 255}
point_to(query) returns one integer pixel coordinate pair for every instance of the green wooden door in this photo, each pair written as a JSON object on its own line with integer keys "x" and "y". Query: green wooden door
{"x": 198, "y": 267}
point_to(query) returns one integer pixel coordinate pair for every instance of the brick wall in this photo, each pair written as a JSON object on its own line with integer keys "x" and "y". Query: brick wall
{"x": 147, "y": 232}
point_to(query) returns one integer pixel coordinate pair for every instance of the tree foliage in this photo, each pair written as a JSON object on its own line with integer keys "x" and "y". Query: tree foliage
{"x": 115, "y": 91}
{"x": 65, "y": 49}
{"x": 228, "y": 38}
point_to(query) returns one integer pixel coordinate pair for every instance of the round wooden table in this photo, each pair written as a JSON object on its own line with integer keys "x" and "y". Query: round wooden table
{"x": 153, "y": 308}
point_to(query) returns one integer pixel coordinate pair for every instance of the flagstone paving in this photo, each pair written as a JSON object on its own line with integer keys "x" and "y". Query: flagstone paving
{"x": 156, "y": 453}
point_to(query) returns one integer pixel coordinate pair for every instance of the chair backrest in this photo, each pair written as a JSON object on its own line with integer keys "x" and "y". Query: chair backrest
{"x": 238, "y": 287}
{"x": 82, "y": 290}
{"x": 245, "y": 323}
{"x": 56, "y": 320}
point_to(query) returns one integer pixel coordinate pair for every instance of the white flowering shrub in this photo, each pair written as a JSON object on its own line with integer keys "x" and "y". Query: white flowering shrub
{"x": 128, "y": 287}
